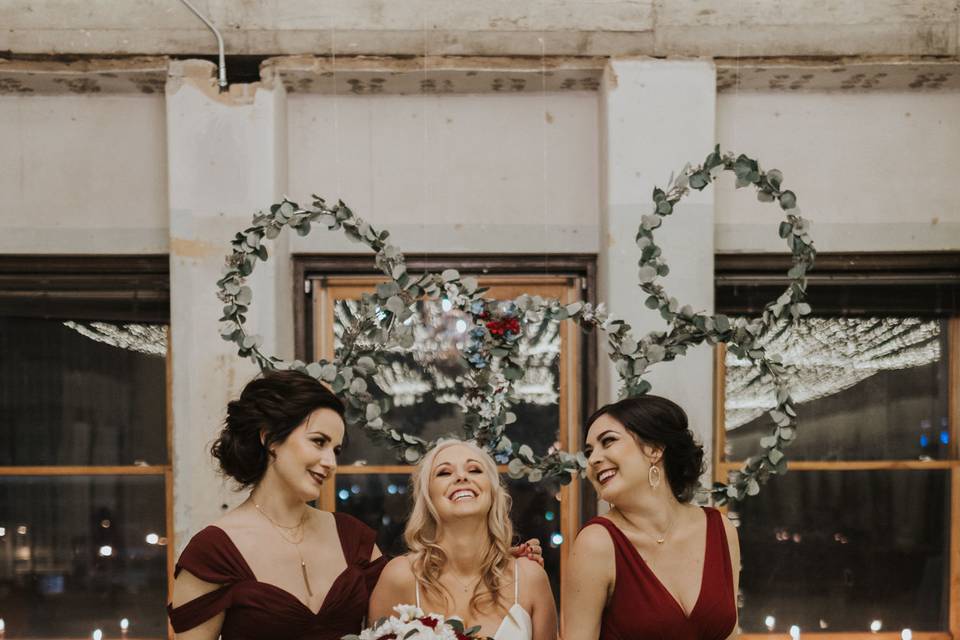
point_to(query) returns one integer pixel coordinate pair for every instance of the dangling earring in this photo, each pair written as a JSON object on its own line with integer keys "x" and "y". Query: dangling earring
{"x": 653, "y": 477}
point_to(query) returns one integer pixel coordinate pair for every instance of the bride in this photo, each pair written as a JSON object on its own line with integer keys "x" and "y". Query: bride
{"x": 459, "y": 563}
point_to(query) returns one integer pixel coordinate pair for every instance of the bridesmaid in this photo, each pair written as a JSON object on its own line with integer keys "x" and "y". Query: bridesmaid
{"x": 654, "y": 566}
{"x": 275, "y": 567}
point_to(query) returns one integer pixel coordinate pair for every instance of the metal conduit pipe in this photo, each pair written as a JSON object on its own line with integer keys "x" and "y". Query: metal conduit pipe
{"x": 223, "y": 63}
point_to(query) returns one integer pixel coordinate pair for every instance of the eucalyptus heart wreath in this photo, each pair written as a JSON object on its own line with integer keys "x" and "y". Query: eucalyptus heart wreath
{"x": 492, "y": 350}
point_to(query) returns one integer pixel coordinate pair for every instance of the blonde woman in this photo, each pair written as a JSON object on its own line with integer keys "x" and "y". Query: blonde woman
{"x": 459, "y": 561}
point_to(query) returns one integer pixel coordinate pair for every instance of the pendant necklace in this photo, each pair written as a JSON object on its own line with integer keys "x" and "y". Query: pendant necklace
{"x": 296, "y": 543}
{"x": 661, "y": 537}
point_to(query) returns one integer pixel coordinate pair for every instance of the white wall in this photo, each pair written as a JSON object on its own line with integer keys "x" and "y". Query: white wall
{"x": 874, "y": 171}
{"x": 83, "y": 174}
{"x": 482, "y": 173}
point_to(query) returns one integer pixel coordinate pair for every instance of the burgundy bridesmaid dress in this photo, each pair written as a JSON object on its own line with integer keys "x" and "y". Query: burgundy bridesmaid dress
{"x": 257, "y": 610}
{"x": 641, "y": 608}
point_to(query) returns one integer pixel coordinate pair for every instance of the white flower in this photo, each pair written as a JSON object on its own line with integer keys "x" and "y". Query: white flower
{"x": 408, "y": 612}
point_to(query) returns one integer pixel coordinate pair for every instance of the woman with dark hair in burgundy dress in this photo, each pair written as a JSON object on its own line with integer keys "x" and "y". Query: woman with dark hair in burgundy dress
{"x": 654, "y": 566}
{"x": 274, "y": 567}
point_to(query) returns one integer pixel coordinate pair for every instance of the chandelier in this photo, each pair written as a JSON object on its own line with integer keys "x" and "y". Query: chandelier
{"x": 824, "y": 356}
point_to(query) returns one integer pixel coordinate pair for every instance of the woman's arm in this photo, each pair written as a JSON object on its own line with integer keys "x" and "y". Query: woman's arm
{"x": 188, "y": 587}
{"x": 587, "y": 584}
{"x": 535, "y": 584}
{"x": 396, "y": 586}
{"x": 733, "y": 542}
{"x": 375, "y": 554}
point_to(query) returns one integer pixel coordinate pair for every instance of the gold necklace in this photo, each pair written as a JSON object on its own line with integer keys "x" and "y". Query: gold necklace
{"x": 466, "y": 587}
{"x": 660, "y": 537}
{"x": 296, "y": 543}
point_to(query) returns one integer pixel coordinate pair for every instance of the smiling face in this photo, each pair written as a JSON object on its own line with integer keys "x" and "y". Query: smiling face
{"x": 618, "y": 463}
{"x": 459, "y": 484}
{"x": 308, "y": 457}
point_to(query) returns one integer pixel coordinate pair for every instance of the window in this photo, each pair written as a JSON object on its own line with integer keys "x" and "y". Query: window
{"x": 423, "y": 383}
{"x": 862, "y": 535}
{"x": 85, "y": 478}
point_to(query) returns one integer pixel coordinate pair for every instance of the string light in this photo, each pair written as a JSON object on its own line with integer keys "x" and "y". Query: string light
{"x": 906, "y": 634}
{"x": 144, "y": 338}
{"x": 824, "y": 356}
{"x": 794, "y": 632}
{"x": 770, "y": 622}
{"x": 106, "y": 551}
{"x": 97, "y": 634}
{"x": 152, "y": 538}
{"x": 876, "y": 626}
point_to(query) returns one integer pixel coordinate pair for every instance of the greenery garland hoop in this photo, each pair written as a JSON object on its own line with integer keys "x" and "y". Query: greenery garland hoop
{"x": 492, "y": 351}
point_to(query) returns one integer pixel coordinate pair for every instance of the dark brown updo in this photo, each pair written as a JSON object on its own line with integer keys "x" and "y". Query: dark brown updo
{"x": 270, "y": 406}
{"x": 661, "y": 423}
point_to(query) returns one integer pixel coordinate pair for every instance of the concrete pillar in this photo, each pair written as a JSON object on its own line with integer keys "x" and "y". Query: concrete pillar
{"x": 657, "y": 115}
{"x": 226, "y": 157}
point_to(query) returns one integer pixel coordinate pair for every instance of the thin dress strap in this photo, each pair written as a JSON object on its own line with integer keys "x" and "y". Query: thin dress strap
{"x": 417, "y": 587}
{"x": 516, "y": 581}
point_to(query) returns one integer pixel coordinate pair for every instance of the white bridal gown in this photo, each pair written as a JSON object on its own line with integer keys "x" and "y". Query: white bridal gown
{"x": 517, "y": 624}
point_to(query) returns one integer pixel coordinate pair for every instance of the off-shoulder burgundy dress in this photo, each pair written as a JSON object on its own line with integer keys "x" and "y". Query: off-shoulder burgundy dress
{"x": 641, "y": 608}
{"x": 257, "y": 610}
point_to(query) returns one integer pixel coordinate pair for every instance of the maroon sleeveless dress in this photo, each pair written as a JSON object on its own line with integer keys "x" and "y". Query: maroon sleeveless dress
{"x": 256, "y": 610}
{"x": 641, "y": 608}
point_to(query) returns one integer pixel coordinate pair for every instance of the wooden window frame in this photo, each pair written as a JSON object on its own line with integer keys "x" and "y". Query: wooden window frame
{"x": 110, "y": 288}
{"x": 356, "y": 273}
{"x": 856, "y": 284}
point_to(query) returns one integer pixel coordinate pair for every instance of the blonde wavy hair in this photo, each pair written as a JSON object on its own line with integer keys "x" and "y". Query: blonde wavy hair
{"x": 423, "y": 532}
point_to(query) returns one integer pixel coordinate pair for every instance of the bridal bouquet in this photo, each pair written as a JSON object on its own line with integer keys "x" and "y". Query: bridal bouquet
{"x": 411, "y": 623}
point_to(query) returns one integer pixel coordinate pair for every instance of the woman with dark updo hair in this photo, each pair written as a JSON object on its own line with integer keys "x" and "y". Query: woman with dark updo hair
{"x": 654, "y": 566}
{"x": 274, "y": 567}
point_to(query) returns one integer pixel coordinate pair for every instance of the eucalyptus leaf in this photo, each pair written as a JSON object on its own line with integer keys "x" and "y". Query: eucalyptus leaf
{"x": 788, "y": 200}
{"x": 395, "y": 304}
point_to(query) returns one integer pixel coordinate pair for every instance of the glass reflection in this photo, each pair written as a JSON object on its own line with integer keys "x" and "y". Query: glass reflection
{"x": 867, "y": 388}
{"x": 838, "y": 549}
{"x": 74, "y": 555}
{"x": 82, "y": 395}
{"x": 426, "y": 382}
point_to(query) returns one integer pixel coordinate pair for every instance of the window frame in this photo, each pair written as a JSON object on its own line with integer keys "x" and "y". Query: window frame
{"x": 359, "y": 273}
{"x": 110, "y": 288}
{"x": 857, "y": 284}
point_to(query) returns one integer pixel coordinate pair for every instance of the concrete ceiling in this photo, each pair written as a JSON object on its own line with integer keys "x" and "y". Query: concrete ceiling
{"x": 440, "y": 75}
{"x": 714, "y": 28}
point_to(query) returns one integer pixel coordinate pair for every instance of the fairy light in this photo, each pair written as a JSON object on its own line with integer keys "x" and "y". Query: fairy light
{"x": 794, "y": 632}
{"x": 151, "y": 538}
{"x": 97, "y": 634}
{"x": 824, "y": 356}
{"x": 906, "y": 634}
{"x": 770, "y": 622}
{"x": 876, "y": 626}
